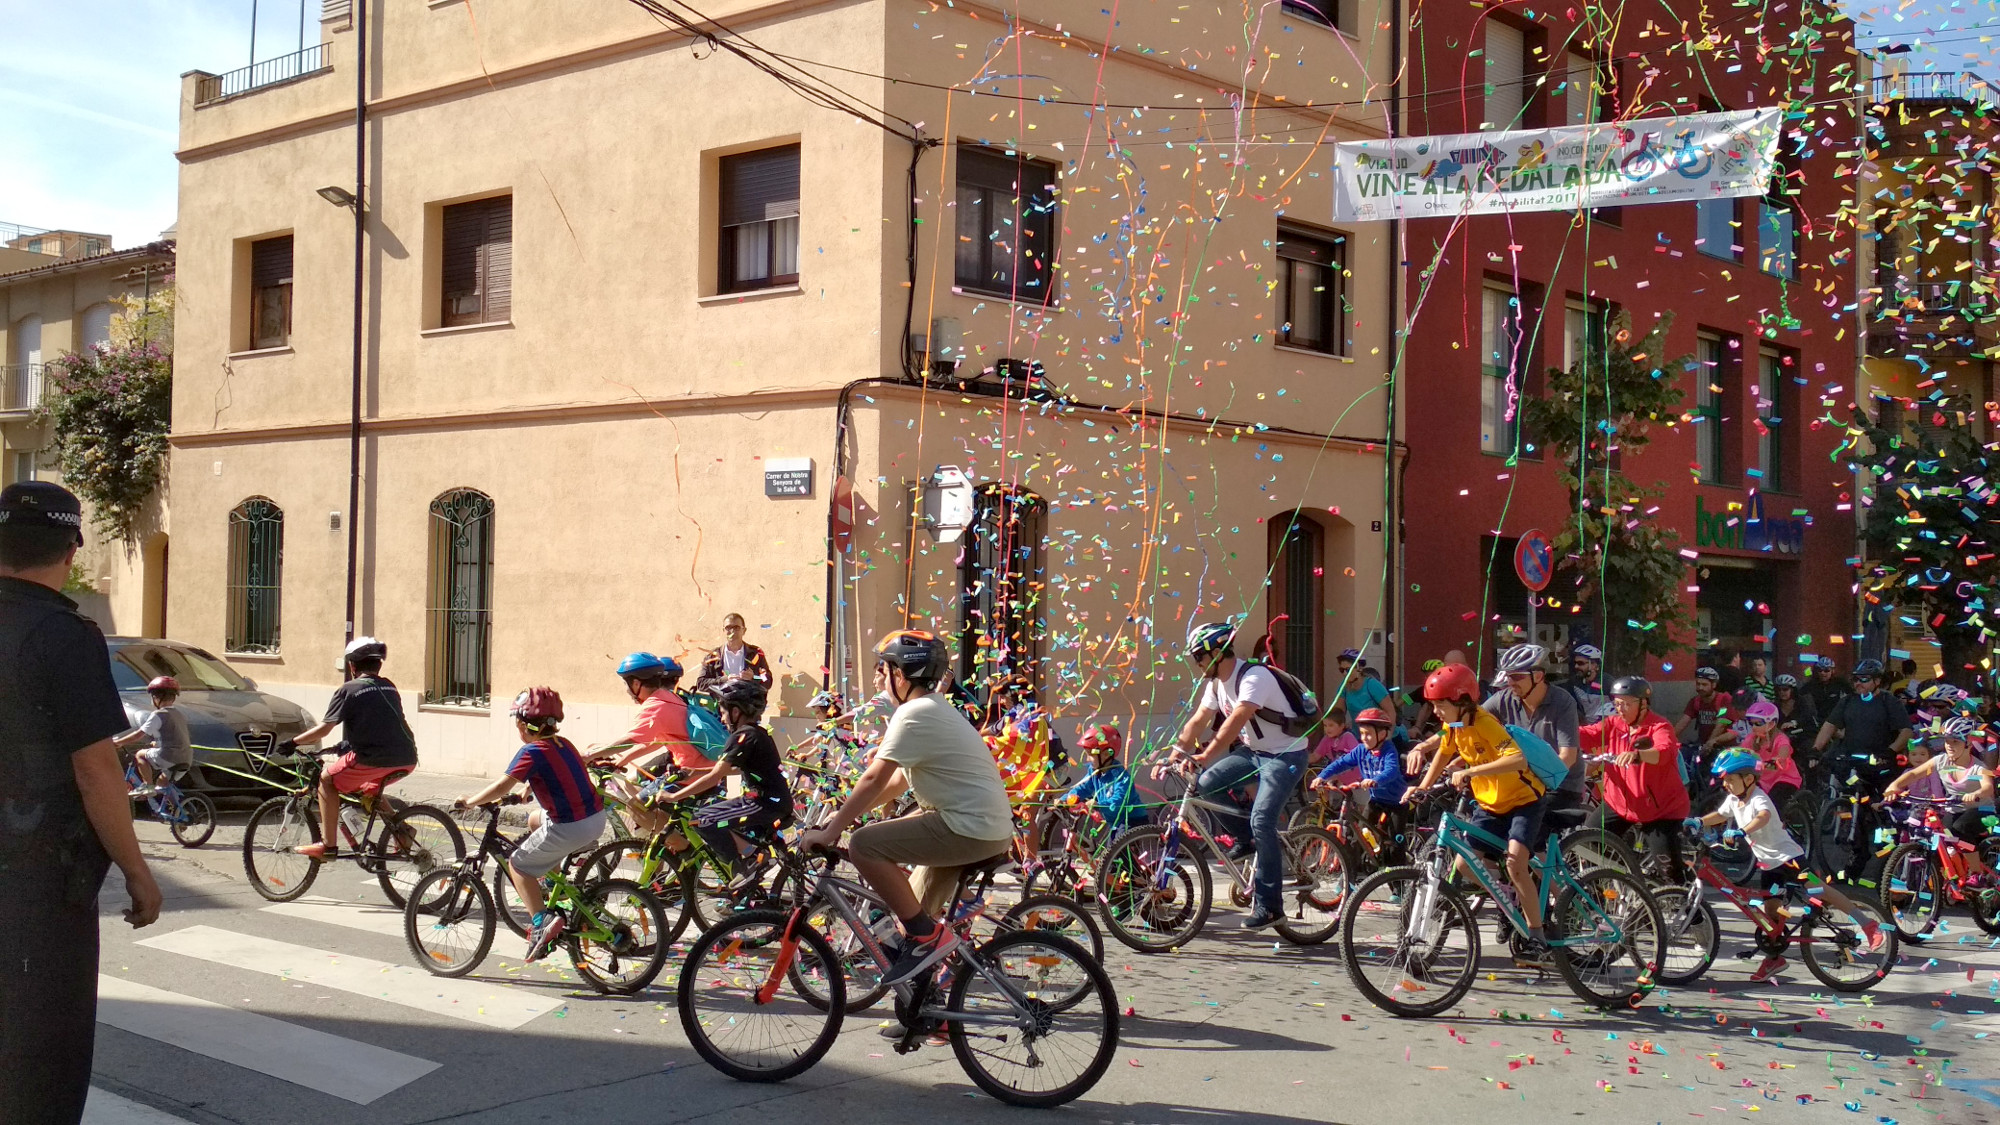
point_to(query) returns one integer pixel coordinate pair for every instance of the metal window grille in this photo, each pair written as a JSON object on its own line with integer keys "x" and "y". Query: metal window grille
{"x": 1300, "y": 560}
{"x": 1002, "y": 586}
{"x": 458, "y": 658}
{"x": 256, "y": 572}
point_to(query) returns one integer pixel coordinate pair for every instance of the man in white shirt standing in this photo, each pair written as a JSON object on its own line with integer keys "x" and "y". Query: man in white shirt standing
{"x": 1250, "y": 744}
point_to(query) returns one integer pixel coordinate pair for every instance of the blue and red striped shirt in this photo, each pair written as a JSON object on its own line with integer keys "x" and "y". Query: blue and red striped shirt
{"x": 555, "y": 773}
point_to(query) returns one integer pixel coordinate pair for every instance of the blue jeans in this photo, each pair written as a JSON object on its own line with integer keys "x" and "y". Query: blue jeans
{"x": 1276, "y": 776}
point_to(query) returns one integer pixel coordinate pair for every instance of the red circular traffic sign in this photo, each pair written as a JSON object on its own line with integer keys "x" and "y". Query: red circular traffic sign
{"x": 1535, "y": 561}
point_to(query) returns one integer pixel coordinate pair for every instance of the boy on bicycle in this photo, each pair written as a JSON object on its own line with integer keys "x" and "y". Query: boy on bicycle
{"x": 572, "y": 812}
{"x": 169, "y": 731}
{"x": 1510, "y": 796}
{"x": 1756, "y": 820}
{"x": 736, "y": 827}
{"x": 658, "y": 744}
{"x": 1109, "y": 786}
{"x": 377, "y": 748}
{"x": 1381, "y": 773}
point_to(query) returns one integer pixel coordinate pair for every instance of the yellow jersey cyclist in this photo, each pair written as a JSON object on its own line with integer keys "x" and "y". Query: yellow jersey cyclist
{"x": 963, "y": 817}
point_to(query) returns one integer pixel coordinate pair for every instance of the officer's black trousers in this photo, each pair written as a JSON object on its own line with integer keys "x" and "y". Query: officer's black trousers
{"x": 48, "y": 1009}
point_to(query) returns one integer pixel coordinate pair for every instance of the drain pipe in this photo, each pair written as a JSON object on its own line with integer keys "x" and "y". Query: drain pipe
{"x": 360, "y": 240}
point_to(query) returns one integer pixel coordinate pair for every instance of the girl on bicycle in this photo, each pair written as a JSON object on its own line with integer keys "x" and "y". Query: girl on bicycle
{"x": 1755, "y": 819}
{"x": 1964, "y": 778}
{"x": 1779, "y": 774}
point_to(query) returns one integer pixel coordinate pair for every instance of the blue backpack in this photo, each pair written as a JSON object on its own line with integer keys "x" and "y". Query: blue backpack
{"x": 705, "y": 730}
{"x": 1542, "y": 758}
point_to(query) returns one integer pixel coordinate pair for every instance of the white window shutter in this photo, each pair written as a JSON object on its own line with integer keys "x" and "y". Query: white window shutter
{"x": 1506, "y": 60}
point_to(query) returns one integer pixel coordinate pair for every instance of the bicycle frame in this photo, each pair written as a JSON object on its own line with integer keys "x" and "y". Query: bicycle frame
{"x": 1454, "y": 835}
{"x": 168, "y": 796}
{"x": 1184, "y": 822}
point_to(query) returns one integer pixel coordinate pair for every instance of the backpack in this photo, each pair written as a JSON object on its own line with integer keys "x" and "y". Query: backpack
{"x": 705, "y": 730}
{"x": 1542, "y": 758}
{"x": 1305, "y": 718}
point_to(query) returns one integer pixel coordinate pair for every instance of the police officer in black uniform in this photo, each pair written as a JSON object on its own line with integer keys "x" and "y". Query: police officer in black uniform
{"x": 64, "y": 816}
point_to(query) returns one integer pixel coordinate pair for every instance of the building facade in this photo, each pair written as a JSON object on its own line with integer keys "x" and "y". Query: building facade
{"x": 61, "y": 295}
{"x": 1762, "y": 298}
{"x": 647, "y": 336}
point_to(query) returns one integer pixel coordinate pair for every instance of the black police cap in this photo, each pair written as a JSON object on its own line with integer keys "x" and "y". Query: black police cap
{"x": 40, "y": 503}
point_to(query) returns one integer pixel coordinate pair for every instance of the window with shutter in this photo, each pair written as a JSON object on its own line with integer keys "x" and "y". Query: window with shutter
{"x": 759, "y": 209}
{"x": 477, "y": 272}
{"x": 1506, "y": 66}
{"x": 1312, "y": 271}
{"x": 271, "y": 292}
{"x": 1006, "y": 224}
{"x": 1337, "y": 14}
{"x": 1579, "y": 96}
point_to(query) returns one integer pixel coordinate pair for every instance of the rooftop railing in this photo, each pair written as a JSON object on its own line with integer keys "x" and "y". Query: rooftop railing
{"x": 270, "y": 72}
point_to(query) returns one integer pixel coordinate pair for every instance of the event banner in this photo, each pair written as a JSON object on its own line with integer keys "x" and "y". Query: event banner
{"x": 1614, "y": 164}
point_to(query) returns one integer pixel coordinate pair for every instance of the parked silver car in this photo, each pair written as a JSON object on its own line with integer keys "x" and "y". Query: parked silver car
{"x": 226, "y": 714}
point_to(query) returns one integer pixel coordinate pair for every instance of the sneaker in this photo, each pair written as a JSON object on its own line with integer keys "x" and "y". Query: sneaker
{"x": 1247, "y": 849}
{"x": 1530, "y": 953}
{"x": 1261, "y": 917}
{"x": 1769, "y": 968}
{"x": 1876, "y": 938}
{"x": 749, "y": 874}
{"x": 921, "y": 954}
{"x": 143, "y": 791}
{"x": 317, "y": 851}
{"x": 543, "y": 934}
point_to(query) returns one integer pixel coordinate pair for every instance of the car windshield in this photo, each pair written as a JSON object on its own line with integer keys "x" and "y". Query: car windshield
{"x": 133, "y": 665}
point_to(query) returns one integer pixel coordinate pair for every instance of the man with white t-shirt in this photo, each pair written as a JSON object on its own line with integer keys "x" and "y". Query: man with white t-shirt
{"x": 1245, "y": 706}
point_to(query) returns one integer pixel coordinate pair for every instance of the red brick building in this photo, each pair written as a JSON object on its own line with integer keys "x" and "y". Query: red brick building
{"x": 1761, "y": 293}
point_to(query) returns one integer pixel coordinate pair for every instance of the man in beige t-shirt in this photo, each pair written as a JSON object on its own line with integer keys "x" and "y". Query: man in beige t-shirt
{"x": 963, "y": 819}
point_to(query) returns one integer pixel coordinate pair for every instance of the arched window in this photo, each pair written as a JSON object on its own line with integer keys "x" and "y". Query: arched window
{"x": 1001, "y": 586}
{"x": 459, "y": 658}
{"x": 1298, "y": 566}
{"x": 24, "y": 374}
{"x": 256, "y": 568}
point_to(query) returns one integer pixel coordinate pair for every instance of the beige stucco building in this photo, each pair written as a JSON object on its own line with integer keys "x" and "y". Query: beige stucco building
{"x": 627, "y": 295}
{"x": 59, "y": 293}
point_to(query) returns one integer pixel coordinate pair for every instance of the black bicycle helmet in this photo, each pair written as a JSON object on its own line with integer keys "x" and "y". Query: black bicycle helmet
{"x": 747, "y": 696}
{"x": 918, "y": 654}
{"x": 1869, "y": 667}
{"x": 1634, "y": 686}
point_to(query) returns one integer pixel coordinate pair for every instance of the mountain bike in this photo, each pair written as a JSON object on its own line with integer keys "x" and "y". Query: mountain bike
{"x": 412, "y": 839}
{"x": 1835, "y": 951}
{"x": 1924, "y": 874}
{"x": 1842, "y": 840}
{"x": 1030, "y": 1014}
{"x": 1411, "y": 946}
{"x": 613, "y": 930}
{"x": 189, "y": 816}
{"x": 692, "y": 883}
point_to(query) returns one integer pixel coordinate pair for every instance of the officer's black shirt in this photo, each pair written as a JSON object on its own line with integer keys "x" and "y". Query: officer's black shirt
{"x": 56, "y": 697}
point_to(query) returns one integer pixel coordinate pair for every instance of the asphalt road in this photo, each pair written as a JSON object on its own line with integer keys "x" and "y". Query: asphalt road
{"x": 232, "y": 1009}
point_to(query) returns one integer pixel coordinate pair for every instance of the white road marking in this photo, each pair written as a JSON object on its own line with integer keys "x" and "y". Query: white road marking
{"x": 488, "y": 1005}
{"x": 385, "y": 920}
{"x": 354, "y": 1071}
{"x": 107, "y": 1108}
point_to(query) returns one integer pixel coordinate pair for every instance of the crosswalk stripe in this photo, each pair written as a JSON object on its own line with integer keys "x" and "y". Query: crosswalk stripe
{"x": 488, "y": 1005}
{"x": 354, "y": 1071}
{"x": 106, "y": 1108}
{"x": 383, "y": 920}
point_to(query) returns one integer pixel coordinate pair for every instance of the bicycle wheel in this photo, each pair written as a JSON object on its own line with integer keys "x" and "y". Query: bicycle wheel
{"x": 1409, "y": 945}
{"x": 735, "y": 1007}
{"x": 275, "y": 829}
{"x": 1587, "y": 849}
{"x": 194, "y": 820}
{"x": 1055, "y": 914}
{"x": 1692, "y": 936}
{"x": 1835, "y": 839}
{"x": 448, "y": 922}
{"x": 513, "y": 912}
{"x": 708, "y": 892}
{"x": 1836, "y": 951}
{"x": 626, "y": 859}
{"x": 1616, "y": 926}
{"x": 1912, "y": 890}
{"x": 1153, "y": 901}
{"x": 1317, "y": 879}
{"x": 414, "y": 842}
{"x": 618, "y": 944}
{"x": 1060, "y": 1018}
{"x": 1986, "y": 909}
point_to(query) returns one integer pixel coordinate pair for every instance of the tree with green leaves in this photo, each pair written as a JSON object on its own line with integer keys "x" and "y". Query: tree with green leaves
{"x": 1626, "y": 569}
{"x": 108, "y": 410}
{"x": 1932, "y": 522}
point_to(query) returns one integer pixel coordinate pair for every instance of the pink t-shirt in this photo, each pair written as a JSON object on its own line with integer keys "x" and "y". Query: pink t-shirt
{"x": 1779, "y": 768}
{"x": 663, "y": 725}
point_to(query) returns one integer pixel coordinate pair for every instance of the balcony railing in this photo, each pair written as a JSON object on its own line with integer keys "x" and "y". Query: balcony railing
{"x": 270, "y": 72}
{"x": 1941, "y": 298}
{"x": 1942, "y": 86}
{"x": 20, "y": 387}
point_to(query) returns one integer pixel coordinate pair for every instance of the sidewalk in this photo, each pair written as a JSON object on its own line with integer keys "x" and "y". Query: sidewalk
{"x": 431, "y": 787}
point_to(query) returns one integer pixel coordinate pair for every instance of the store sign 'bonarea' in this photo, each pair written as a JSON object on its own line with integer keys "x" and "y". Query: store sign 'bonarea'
{"x": 1748, "y": 530}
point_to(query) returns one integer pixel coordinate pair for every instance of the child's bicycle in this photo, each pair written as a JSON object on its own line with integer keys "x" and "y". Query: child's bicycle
{"x": 1030, "y": 1014}
{"x": 411, "y": 841}
{"x": 614, "y": 930}
{"x": 1412, "y": 947}
{"x": 1930, "y": 870}
{"x": 189, "y": 816}
{"x": 1835, "y": 950}
{"x": 692, "y": 884}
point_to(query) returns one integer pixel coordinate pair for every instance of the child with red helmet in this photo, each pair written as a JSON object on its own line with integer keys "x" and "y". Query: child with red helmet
{"x": 572, "y": 812}
{"x": 168, "y": 730}
{"x": 1109, "y": 786}
{"x": 1510, "y": 796}
{"x": 1381, "y": 769}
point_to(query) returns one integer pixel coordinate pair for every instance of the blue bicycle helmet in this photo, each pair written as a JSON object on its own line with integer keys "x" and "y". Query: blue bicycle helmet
{"x": 645, "y": 664}
{"x": 1735, "y": 760}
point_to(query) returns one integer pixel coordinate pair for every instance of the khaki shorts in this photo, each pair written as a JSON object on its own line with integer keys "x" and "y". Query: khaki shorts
{"x": 923, "y": 841}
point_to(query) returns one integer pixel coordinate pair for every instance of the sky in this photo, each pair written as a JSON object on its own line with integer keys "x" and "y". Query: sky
{"x": 90, "y": 91}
